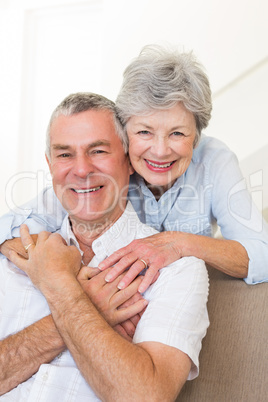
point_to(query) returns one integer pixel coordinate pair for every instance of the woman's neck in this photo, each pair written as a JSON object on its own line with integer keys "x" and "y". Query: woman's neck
{"x": 157, "y": 191}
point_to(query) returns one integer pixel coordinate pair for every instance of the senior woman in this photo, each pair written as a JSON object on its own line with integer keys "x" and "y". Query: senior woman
{"x": 185, "y": 183}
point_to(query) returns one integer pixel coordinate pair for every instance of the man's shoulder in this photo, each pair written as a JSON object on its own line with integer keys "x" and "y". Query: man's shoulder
{"x": 144, "y": 230}
{"x": 183, "y": 272}
{"x": 132, "y": 221}
{"x": 185, "y": 263}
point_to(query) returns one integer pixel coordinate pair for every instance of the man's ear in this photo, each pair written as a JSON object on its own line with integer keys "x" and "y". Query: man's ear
{"x": 49, "y": 163}
{"x": 131, "y": 170}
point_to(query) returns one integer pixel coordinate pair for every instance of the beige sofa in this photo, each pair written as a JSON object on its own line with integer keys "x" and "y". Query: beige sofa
{"x": 234, "y": 356}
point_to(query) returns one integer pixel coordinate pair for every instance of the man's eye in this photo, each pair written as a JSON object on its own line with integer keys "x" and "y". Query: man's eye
{"x": 65, "y": 155}
{"x": 98, "y": 151}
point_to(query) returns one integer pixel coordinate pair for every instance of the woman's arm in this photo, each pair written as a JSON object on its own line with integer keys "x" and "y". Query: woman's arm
{"x": 15, "y": 245}
{"x": 243, "y": 250}
{"x": 164, "y": 248}
{"x": 43, "y": 212}
{"x": 228, "y": 256}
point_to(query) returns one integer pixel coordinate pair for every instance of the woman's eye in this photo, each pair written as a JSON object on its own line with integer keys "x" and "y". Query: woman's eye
{"x": 144, "y": 132}
{"x": 177, "y": 134}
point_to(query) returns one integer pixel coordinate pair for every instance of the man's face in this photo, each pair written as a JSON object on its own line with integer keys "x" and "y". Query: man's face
{"x": 89, "y": 168}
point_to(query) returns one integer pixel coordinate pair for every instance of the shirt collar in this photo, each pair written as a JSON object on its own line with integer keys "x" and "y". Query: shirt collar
{"x": 196, "y": 151}
{"x": 120, "y": 234}
{"x": 147, "y": 192}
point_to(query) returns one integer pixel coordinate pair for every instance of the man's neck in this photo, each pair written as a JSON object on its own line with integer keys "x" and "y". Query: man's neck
{"x": 86, "y": 233}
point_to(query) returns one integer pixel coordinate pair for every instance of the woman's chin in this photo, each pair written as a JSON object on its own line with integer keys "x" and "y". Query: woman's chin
{"x": 159, "y": 187}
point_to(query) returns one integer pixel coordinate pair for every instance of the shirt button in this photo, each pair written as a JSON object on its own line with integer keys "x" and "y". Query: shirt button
{"x": 45, "y": 376}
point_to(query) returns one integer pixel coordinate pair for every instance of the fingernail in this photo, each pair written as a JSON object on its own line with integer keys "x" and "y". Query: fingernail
{"x": 141, "y": 289}
{"x": 108, "y": 278}
{"x": 121, "y": 285}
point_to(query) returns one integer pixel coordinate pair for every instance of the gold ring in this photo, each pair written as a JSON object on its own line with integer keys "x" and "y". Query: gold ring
{"x": 26, "y": 247}
{"x": 144, "y": 262}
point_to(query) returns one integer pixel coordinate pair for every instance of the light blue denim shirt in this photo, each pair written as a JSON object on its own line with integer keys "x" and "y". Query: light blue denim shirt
{"x": 211, "y": 192}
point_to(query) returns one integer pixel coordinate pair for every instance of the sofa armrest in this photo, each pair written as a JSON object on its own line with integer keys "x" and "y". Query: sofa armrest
{"x": 234, "y": 356}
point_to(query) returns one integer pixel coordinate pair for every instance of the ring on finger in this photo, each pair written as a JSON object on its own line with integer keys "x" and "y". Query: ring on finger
{"x": 144, "y": 262}
{"x": 26, "y": 247}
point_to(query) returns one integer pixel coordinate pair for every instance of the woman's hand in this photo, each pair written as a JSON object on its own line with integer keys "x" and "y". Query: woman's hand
{"x": 15, "y": 245}
{"x": 157, "y": 251}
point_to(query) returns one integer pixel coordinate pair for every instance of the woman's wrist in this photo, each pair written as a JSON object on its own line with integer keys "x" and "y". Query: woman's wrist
{"x": 185, "y": 243}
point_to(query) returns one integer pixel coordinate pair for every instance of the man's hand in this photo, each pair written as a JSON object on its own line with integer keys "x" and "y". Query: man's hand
{"x": 122, "y": 309}
{"x": 157, "y": 251}
{"x": 50, "y": 259}
{"x": 128, "y": 327}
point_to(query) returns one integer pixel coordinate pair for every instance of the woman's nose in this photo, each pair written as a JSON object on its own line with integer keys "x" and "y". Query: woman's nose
{"x": 161, "y": 148}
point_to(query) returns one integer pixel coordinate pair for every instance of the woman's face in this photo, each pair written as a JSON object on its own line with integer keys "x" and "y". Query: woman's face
{"x": 161, "y": 144}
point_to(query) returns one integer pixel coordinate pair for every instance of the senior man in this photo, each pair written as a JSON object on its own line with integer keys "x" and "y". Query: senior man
{"x": 90, "y": 172}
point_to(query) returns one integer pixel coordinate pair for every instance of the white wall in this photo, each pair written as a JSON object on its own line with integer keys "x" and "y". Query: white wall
{"x": 48, "y": 51}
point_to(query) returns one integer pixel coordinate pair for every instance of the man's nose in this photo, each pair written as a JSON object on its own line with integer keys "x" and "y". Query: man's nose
{"x": 83, "y": 166}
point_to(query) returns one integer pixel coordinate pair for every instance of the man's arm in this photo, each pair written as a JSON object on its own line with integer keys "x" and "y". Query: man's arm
{"x": 22, "y": 354}
{"x": 112, "y": 366}
{"x": 121, "y": 309}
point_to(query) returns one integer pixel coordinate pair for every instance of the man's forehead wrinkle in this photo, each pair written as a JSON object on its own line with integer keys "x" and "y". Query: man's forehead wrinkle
{"x": 94, "y": 144}
{"x": 99, "y": 143}
{"x": 60, "y": 146}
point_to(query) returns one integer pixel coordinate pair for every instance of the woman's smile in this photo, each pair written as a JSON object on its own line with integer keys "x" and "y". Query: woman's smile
{"x": 159, "y": 166}
{"x": 161, "y": 144}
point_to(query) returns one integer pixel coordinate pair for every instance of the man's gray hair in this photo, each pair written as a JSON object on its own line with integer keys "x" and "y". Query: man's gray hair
{"x": 159, "y": 78}
{"x": 81, "y": 102}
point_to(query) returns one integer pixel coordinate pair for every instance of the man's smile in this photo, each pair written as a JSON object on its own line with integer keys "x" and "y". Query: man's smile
{"x": 86, "y": 190}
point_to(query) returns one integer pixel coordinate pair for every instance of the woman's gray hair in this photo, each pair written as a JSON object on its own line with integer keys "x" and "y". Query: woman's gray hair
{"x": 82, "y": 102}
{"x": 159, "y": 78}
